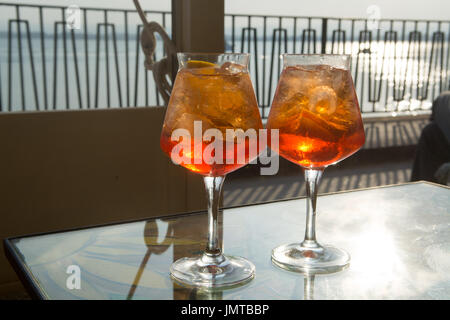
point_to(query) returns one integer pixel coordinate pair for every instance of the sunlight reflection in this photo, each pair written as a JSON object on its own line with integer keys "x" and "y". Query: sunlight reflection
{"x": 377, "y": 254}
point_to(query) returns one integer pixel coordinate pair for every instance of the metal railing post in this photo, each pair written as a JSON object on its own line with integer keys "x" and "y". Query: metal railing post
{"x": 324, "y": 35}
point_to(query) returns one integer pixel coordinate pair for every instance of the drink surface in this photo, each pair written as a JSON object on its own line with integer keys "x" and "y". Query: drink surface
{"x": 316, "y": 111}
{"x": 221, "y": 97}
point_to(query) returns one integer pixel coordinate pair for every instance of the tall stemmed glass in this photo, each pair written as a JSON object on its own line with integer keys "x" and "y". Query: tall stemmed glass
{"x": 316, "y": 111}
{"x": 211, "y": 100}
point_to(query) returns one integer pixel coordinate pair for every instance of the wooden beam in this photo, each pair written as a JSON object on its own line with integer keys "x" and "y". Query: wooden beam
{"x": 198, "y": 25}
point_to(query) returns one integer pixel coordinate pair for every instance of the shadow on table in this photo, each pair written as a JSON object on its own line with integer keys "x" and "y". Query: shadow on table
{"x": 187, "y": 237}
{"x": 153, "y": 247}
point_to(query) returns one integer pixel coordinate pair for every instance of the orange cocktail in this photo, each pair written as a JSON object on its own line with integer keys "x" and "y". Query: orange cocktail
{"x": 317, "y": 112}
{"x": 220, "y": 97}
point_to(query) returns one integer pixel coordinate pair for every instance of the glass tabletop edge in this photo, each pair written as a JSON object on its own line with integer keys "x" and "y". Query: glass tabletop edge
{"x": 26, "y": 277}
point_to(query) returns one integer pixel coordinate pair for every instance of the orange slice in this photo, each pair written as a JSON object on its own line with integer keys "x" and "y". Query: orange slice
{"x": 201, "y": 67}
{"x": 195, "y": 64}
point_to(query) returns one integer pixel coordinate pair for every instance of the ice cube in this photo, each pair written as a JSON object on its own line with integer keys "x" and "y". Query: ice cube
{"x": 187, "y": 121}
{"x": 315, "y": 126}
{"x": 232, "y": 68}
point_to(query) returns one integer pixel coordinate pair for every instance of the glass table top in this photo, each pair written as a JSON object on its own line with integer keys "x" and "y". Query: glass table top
{"x": 398, "y": 238}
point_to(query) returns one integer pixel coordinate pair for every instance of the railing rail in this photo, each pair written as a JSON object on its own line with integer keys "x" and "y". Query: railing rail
{"x": 397, "y": 65}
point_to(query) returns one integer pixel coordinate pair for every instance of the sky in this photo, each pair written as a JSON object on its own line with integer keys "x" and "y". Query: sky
{"x": 387, "y": 9}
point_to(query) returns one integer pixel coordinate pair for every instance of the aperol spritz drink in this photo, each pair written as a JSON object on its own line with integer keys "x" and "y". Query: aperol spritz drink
{"x": 316, "y": 111}
{"x": 217, "y": 96}
{"x": 211, "y": 128}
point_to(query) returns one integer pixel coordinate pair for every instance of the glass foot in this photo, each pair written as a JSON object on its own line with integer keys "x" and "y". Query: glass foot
{"x": 316, "y": 259}
{"x": 212, "y": 270}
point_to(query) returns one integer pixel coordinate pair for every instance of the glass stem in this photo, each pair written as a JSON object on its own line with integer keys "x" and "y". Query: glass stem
{"x": 312, "y": 177}
{"x": 213, "y": 186}
{"x": 308, "y": 287}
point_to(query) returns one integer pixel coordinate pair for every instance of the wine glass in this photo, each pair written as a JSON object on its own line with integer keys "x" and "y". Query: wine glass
{"x": 316, "y": 111}
{"x": 213, "y": 109}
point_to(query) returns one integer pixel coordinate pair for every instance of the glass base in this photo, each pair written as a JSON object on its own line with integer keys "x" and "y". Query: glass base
{"x": 310, "y": 259}
{"x": 212, "y": 270}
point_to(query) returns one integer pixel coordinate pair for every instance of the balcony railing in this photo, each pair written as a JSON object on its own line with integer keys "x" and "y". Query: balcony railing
{"x": 397, "y": 65}
{"x": 45, "y": 65}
